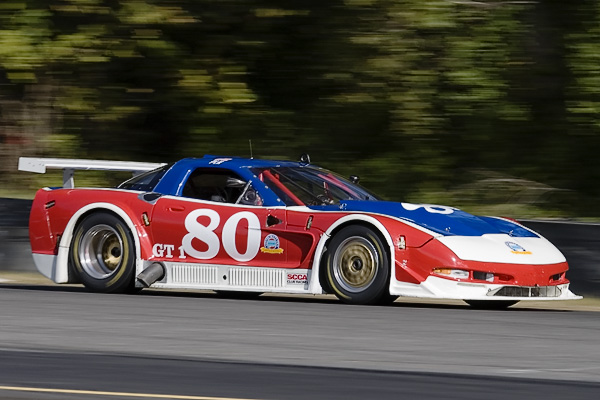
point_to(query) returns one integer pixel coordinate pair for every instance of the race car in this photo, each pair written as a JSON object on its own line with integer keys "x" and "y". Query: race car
{"x": 245, "y": 225}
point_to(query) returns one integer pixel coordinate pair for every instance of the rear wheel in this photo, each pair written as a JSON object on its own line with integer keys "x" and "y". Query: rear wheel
{"x": 103, "y": 254}
{"x": 357, "y": 266}
{"x": 491, "y": 304}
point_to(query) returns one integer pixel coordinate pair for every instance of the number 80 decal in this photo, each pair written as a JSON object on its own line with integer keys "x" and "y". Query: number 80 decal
{"x": 207, "y": 235}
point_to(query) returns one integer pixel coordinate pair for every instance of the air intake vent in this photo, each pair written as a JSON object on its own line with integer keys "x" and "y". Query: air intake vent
{"x": 257, "y": 277}
{"x": 529, "y": 291}
{"x": 193, "y": 274}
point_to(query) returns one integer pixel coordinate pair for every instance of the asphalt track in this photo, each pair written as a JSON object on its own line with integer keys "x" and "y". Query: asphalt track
{"x": 64, "y": 343}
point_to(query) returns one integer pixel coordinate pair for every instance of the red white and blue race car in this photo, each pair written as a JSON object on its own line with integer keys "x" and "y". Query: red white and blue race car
{"x": 247, "y": 225}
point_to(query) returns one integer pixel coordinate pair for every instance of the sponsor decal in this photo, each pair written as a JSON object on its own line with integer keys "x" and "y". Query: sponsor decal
{"x": 516, "y": 248}
{"x": 271, "y": 245}
{"x": 430, "y": 208}
{"x": 196, "y": 231}
{"x": 300, "y": 279}
{"x": 219, "y": 161}
{"x": 163, "y": 250}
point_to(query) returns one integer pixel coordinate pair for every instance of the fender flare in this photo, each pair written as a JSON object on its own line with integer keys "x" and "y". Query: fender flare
{"x": 314, "y": 286}
{"x": 62, "y": 261}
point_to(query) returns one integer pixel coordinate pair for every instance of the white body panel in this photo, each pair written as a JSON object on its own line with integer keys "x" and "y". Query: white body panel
{"x": 494, "y": 248}
{"x": 234, "y": 278}
{"x": 46, "y": 264}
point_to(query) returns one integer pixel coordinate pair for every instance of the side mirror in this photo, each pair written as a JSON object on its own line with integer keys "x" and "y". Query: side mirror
{"x": 354, "y": 179}
{"x": 305, "y": 158}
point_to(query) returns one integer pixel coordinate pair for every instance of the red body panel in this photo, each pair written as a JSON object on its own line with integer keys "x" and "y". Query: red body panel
{"x": 192, "y": 231}
{"x": 41, "y": 236}
{"x": 215, "y": 233}
{"x": 434, "y": 254}
{"x": 57, "y": 207}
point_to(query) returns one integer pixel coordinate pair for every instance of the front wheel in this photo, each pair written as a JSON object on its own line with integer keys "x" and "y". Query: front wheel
{"x": 103, "y": 254}
{"x": 357, "y": 266}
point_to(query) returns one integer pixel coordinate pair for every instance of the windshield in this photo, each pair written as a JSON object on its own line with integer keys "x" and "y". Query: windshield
{"x": 297, "y": 186}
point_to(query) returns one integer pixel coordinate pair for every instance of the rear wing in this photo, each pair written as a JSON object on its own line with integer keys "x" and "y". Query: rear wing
{"x": 39, "y": 165}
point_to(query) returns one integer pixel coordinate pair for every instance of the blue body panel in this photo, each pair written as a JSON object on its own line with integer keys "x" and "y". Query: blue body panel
{"x": 173, "y": 181}
{"x": 446, "y": 221}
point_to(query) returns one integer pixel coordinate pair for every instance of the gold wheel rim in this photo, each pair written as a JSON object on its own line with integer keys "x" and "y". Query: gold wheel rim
{"x": 112, "y": 253}
{"x": 355, "y": 264}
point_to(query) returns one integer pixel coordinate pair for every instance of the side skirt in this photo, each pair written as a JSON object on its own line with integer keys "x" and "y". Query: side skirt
{"x": 235, "y": 278}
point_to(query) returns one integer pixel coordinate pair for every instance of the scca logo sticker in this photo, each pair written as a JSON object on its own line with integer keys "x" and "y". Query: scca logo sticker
{"x": 297, "y": 278}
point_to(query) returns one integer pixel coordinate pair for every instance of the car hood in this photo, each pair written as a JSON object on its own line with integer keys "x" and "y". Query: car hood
{"x": 447, "y": 221}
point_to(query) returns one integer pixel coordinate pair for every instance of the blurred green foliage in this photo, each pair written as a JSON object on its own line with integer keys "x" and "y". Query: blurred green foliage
{"x": 492, "y": 106}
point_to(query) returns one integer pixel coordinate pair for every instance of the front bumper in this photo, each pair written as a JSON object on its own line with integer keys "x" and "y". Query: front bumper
{"x": 440, "y": 288}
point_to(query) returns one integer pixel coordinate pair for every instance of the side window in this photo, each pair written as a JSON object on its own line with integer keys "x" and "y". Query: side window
{"x": 222, "y": 186}
{"x": 288, "y": 198}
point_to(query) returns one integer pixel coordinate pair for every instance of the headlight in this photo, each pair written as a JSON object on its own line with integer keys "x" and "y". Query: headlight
{"x": 452, "y": 273}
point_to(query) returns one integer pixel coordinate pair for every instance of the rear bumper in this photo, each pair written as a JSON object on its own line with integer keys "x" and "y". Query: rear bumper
{"x": 46, "y": 264}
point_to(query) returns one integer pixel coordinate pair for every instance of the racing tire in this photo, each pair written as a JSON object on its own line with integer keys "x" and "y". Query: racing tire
{"x": 491, "y": 304}
{"x": 357, "y": 266}
{"x": 102, "y": 253}
{"x": 387, "y": 299}
{"x": 325, "y": 286}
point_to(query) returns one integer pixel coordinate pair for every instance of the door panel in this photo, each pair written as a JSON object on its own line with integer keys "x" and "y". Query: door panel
{"x": 193, "y": 231}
